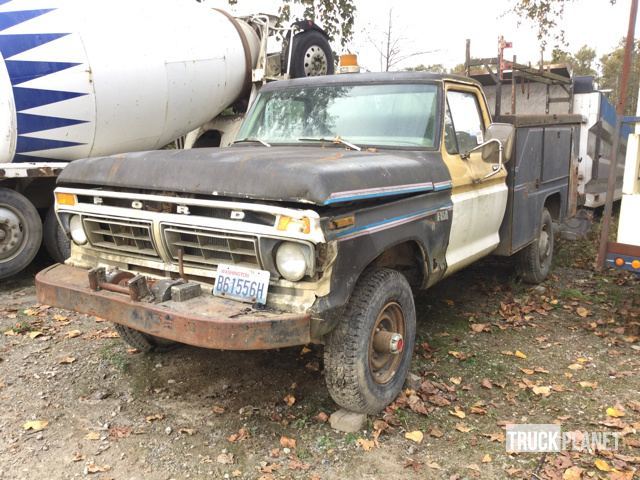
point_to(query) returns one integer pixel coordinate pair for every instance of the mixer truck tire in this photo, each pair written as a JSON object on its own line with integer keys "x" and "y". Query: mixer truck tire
{"x": 20, "y": 232}
{"x": 311, "y": 55}
{"x": 56, "y": 241}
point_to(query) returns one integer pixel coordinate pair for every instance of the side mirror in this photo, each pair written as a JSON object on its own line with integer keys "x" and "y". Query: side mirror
{"x": 505, "y": 133}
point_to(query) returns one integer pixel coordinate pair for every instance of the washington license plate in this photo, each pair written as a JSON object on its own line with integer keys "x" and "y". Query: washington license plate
{"x": 240, "y": 283}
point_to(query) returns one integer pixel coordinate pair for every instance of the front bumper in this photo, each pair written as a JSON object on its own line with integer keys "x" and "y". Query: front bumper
{"x": 205, "y": 321}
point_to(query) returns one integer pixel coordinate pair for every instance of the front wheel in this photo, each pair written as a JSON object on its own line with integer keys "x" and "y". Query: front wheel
{"x": 534, "y": 261}
{"x": 368, "y": 355}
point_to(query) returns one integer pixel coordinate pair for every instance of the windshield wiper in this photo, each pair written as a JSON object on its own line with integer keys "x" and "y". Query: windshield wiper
{"x": 331, "y": 140}
{"x": 252, "y": 140}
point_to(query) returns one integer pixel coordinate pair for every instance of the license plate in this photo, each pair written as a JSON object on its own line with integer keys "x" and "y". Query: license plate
{"x": 240, "y": 283}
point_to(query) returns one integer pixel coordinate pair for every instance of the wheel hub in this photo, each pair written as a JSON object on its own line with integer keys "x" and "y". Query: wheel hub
{"x": 315, "y": 62}
{"x": 543, "y": 244}
{"x": 387, "y": 343}
{"x": 11, "y": 233}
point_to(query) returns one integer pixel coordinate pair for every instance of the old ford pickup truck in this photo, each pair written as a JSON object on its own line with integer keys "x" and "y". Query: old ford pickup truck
{"x": 341, "y": 195}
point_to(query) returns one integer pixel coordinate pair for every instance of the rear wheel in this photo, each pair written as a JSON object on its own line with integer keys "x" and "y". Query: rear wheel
{"x": 368, "y": 355}
{"x": 534, "y": 261}
{"x": 20, "y": 232}
{"x": 311, "y": 55}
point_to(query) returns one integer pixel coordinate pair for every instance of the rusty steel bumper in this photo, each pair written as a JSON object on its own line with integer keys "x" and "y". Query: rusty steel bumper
{"x": 205, "y": 321}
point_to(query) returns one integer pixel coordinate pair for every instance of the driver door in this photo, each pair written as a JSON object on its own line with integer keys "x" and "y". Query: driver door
{"x": 479, "y": 201}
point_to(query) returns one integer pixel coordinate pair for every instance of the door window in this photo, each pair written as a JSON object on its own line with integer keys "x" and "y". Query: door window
{"x": 466, "y": 122}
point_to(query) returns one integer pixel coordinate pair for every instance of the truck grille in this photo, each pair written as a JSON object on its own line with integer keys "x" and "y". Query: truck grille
{"x": 210, "y": 248}
{"x": 120, "y": 236}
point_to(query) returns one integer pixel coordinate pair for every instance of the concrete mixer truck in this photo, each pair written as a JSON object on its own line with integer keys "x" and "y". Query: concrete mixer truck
{"x": 82, "y": 79}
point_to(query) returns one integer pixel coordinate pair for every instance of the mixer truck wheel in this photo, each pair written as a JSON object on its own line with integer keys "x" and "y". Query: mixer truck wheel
{"x": 20, "y": 232}
{"x": 56, "y": 241}
{"x": 311, "y": 55}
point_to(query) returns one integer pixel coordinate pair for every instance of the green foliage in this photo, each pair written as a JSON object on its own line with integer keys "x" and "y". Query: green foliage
{"x": 435, "y": 68}
{"x": 336, "y": 17}
{"x": 581, "y": 63}
{"x": 545, "y": 15}
{"x": 611, "y": 73}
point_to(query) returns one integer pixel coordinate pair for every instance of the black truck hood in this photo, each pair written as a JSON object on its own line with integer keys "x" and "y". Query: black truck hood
{"x": 307, "y": 174}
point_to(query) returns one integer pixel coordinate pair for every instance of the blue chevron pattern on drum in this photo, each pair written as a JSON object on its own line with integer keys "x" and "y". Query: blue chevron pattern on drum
{"x": 11, "y": 45}
{"x": 27, "y": 98}
{"x": 30, "y": 144}
{"x": 11, "y": 19}
{"x": 29, "y": 123}
{"x": 21, "y": 71}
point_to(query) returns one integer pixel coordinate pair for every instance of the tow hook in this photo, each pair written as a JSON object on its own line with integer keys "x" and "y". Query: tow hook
{"x": 388, "y": 342}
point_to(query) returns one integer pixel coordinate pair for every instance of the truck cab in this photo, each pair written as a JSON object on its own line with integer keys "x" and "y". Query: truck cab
{"x": 340, "y": 196}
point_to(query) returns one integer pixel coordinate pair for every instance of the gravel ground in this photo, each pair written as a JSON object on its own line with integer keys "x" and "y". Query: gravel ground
{"x": 76, "y": 402}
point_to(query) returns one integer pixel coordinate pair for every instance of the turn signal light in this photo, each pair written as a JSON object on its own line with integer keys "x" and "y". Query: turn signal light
{"x": 636, "y": 264}
{"x": 68, "y": 199}
{"x": 297, "y": 225}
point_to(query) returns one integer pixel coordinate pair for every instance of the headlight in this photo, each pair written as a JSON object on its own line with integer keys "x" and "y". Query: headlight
{"x": 77, "y": 230}
{"x": 291, "y": 261}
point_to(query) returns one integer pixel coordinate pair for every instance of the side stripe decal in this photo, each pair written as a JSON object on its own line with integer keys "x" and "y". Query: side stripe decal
{"x": 365, "y": 193}
{"x": 388, "y": 223}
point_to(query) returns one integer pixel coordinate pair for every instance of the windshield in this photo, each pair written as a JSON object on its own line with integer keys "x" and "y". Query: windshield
{"x": 402, "y": 115}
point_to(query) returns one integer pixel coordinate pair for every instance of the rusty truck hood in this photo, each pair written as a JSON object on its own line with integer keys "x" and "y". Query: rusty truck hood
{"x": 303, "y": 174}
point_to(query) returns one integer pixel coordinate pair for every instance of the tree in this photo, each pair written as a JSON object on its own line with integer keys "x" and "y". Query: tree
{"x": 335, "y": 16}
{"x": 545, "y": 15}
{"x": 390, "y": 46}
{"x": 581, "y": 63}
{"x": 610, "y": 79}
{"x": 435, "y": 68}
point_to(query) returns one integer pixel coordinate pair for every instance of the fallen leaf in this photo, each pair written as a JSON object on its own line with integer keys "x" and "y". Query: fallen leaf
{"x": 77, "y": 457}
{"x": 583, "y": 312}
{"x": 461, "y": 427}
{"x": 494, "y": 437}
{"x": 436, "y": 432}
{"x": 366, "y": 445}
{"x": 602, "y": 465}
{"x": 73, "y": 333}
{"x": 59, "y": 318}
{"x": 93, "y": 468}
{"x": 480, "y": 327}
{"x": 573, "y": 473}
{"x": 540, "y": 390}
{"x": 434, "y": 466}
{"x": 415, "y": 436}
{"x": 34, "y": 334}
{"x": 289, "y": 399}
{"x": 67, "y": 360}
{"x": 487, "y": 458}
{"x": 588, "y": 384}
{"x": 519, "y": 354}
{"x": 241, "y": 435}
{"x": 92, "y": 436}
{"x": 527, "y": 371}
{"x": 486, "y": 383}
{"x": 153, "y": 418}
{"x": 35, "y": 425}
{"x": 575, "y": 366}
{"x": 474, "y": 467}
{"x": 457, "y": 412}
{"x": 286, "y": 442}
{"x": 615, "y": 412}
{"x": 321, "y": 417}
{"x": 217, "y": 410}
{"x": 459, "y": 355}
{"x": 122, "y": 432}
{"x": 225, "y": 458}
{"x": 456, "y": 380}
{"x": 236, "y": 473}
{"x": 187, "y": 431}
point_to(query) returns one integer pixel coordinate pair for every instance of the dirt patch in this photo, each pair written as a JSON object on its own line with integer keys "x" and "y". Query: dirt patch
{"x": 490, "y": 350}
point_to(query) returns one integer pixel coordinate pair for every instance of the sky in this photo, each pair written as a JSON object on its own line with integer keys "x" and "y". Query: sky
{"x": 441, "y": 27}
